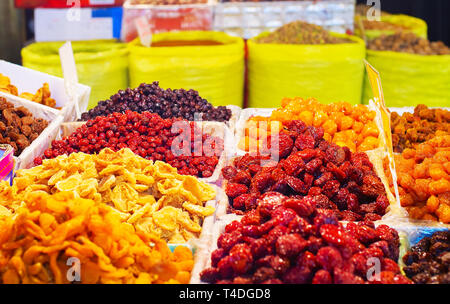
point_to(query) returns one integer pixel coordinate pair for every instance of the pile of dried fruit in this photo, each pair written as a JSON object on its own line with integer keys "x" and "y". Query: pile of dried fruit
{"x": 409, "y": 129}
{"x": 343, "y": 124}
{"x": 18, "y": 127}
{"x": 299, "y": 32}
{"x": 313, "y": 170}
{"x": 167, "y": 2}
{"x": 49, "y": 232}
{"x": 287, "y": 240}
{"x": 148, "y": 135}
{"x": 154, "y": 198}
{"x": 428, "y": 262}
{"x": 42, "y": 96}
{"x": 424, "y": 179}
{"x": 166, "y": 103}
{"x": 407, "y": 42}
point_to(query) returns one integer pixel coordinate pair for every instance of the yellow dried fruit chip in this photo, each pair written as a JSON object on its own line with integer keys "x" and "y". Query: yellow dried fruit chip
{"x": 123, "y": 196}
{"x": 106, "y": 182}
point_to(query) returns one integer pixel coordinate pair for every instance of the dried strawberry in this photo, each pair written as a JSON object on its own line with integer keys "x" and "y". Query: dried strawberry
{"x": 329, "y": 258}
{"x": 304, "y": 141}
{"x": 216, "y": 256}
{"x": 225, "y": 268}
{"x": 285, "y": 145}
{"x": 303, "y": 207}
{"x": 241, "y": 258}
{"x": 260, "y": 247}
{"x": 228, "y": 240}
{"x": 342, "y": 277}
{"x": 277, "y": 263}
{"x": 372, "y": 186}
{"x": 261, "y": 181}
{"x": 298, "y": 275}
{"x": 251, "y": 218}
{"x": 242, "y": 177}
{"x": 263, "y": 274}
{"x": 209, "y": 275}
{"x": 228, "y": 172}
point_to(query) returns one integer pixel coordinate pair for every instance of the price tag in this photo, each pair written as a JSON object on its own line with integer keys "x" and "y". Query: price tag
{"x": 144, "y": 31}
{"x": 70, "y": 74}
{"x": 375, "y": 83}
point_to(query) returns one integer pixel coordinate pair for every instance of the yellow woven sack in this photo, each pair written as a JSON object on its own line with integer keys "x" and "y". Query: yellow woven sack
{"x": 215, "y": 71}
{"x": 411, "y": 24}
{"x": 327, "y": 72}
{"x": 101, "y": 64}
{"x": 410, "y": 79}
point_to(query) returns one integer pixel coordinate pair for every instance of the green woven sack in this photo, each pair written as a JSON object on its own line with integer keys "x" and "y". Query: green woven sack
{"x": 101, "y": 64}
{"x": 328, "y": 72}
{"x": 410, "y": 79}
{"x": 215, "y": 71}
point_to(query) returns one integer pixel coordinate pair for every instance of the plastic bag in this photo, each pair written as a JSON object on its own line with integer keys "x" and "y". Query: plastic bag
{"x": 329, "y": 72}
{"x": 216, "y": 72}
{"x": 410, "y": 79}
{"x": 101, "y": 64}
{"x": 411, "y": 24}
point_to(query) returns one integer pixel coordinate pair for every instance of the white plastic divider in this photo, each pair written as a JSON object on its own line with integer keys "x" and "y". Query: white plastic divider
{"x": 27, "y": 80}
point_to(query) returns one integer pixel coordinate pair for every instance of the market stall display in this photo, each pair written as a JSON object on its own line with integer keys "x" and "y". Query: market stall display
{"x": 48, "y": 230}
{"x": 342, "y": 123}
{"x": 159, "y": 176}
{"x": 166, "y": 103}
{"x": 328, "y": 72}
{"x": 279, "y": 244}
{"x": 215, "y": 71}
{"x": 428, "y": 262}
{"x": 108, "y": 58}
{"x": 411, "y": 69}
